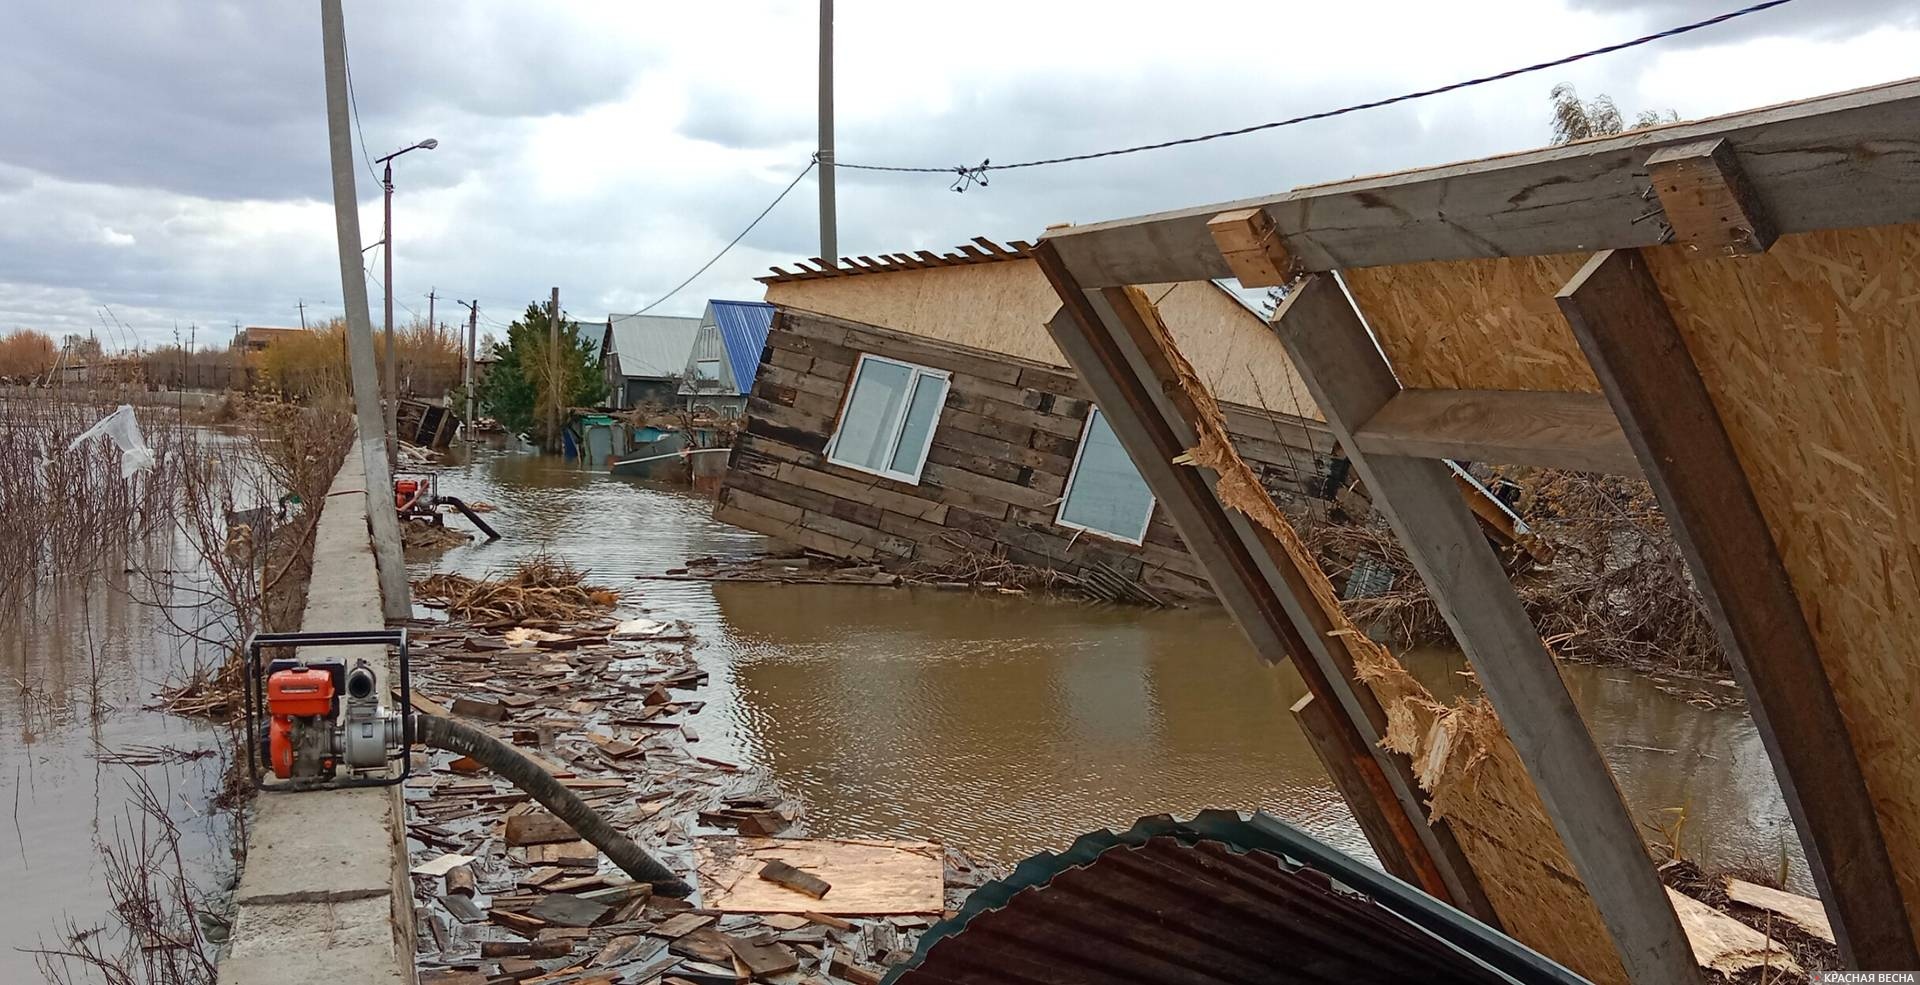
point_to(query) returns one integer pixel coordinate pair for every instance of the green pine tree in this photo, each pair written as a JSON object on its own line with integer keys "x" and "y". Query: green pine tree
{"x": 517, "y": 390}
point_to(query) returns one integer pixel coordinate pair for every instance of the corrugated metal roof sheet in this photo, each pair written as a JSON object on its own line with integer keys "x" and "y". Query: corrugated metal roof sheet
{"x": 987, "y": 251}
{"x": 1220, "y": 899}
{"x": 653, "y": 346}
{"x": 743, "y": 329}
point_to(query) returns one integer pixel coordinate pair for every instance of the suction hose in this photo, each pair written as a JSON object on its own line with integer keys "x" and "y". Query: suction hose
{"x": 451, "y": 736}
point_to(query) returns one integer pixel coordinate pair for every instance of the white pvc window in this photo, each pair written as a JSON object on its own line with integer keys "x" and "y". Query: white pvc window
{"x": 1105, "y": 494}
{"x": 887, "y": 425}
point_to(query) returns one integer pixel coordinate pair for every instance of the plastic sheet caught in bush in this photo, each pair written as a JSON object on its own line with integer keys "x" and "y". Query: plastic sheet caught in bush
{"x": 122, "y": 429}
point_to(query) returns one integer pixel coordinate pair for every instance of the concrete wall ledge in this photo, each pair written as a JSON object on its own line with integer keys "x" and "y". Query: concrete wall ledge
{"x": 325, "y": 896}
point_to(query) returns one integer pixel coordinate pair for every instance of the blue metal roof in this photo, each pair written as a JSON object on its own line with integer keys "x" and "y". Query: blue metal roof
{"x": 743, "y": 329}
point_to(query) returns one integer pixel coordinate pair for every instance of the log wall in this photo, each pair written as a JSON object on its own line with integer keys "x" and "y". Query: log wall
{"x": 1001, "y": 455}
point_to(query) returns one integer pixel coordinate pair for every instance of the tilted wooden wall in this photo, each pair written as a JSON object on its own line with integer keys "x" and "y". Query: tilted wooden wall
{"x": 1001, "y": 455}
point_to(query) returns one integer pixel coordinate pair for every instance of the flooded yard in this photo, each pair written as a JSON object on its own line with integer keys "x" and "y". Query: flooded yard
{"x": 1008, "y": 725}
{"x": 77, "y": 667}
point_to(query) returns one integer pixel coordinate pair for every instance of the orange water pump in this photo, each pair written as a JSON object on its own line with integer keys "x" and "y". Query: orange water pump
{"x": 318, "y": 723}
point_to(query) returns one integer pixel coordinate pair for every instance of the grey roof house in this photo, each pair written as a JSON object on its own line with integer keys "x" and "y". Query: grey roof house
{"x": 643, "y": 357}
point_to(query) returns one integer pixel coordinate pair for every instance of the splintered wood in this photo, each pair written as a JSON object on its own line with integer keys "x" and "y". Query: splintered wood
{"x": 1811, "y": 353}
{"x": 1463, "y": 757}
{"x": 866, "y": 877}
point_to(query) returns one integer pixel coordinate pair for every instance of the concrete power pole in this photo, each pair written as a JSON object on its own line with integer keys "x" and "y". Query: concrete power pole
{"x": 432, "y": 326}
{"x": 553, "y": 373}
{"x": 353, "y": 285}
{"x": 303, "y": 313}
{"x": 829, "y": 223}
{"x": 466, "y": 374}
{"x": 392, "y": 386}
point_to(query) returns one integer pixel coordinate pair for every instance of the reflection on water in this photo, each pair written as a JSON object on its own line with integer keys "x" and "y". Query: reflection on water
{"x": 1006, "y": 725}
{"x": 64, "y": 803}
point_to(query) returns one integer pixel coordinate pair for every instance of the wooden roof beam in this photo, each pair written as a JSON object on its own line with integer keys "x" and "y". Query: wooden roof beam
{"x": 1573, "y": 198}
{"x": 1575, "y": 431}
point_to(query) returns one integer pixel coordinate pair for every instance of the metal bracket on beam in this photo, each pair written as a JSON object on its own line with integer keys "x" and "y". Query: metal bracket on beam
{"x": 1708, "y": 200}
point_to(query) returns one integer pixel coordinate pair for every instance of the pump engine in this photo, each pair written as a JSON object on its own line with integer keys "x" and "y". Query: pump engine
{"x": 319, "y": 723}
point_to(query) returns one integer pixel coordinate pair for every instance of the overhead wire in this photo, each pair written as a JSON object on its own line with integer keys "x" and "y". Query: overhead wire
{"x": 967, "y": 176}
{"x": 736, "y": 240}
{"x": 353, "y": 101}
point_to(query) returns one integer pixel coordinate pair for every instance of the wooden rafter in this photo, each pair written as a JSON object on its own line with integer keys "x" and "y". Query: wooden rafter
{"x": 1351, "y": 382}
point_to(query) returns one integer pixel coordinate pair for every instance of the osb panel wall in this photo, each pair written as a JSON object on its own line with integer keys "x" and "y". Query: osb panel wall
{"x": 1809, "y": 353}
{"x": 1003, "y": 307}
{"x": 1475, "y": 324}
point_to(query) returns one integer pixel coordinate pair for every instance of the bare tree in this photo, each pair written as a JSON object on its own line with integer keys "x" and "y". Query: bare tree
{"x": 1574, "y": 119}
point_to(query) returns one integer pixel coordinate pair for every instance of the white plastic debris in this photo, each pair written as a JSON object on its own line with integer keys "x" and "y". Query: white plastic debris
{"x": 641, "y": 628}
{"x": 122, "y": 429}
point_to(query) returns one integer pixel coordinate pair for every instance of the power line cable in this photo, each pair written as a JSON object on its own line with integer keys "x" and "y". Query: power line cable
{"x": 736, "y": 240}
{"x": 354, "y": 101}
{"x": 966, "y": 177}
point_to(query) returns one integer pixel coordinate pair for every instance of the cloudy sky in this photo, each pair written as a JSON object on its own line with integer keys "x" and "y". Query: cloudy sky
{"x": 167, "y": 159}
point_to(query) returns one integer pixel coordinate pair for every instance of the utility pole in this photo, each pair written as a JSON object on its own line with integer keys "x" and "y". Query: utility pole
{"x": 303, "y": 313}
{"x": 553, "y": 373}
{"x": 466, "y": 371}
{"x": 353, "y": 286}
{"x": 829, "y": 224}
{"x": 432, "y": 326}
{"x": 392, "y": 386}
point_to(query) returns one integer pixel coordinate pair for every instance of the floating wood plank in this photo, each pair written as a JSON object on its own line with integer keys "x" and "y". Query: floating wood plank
{"x": 1629, "y": 335}
{"x": 1574, "y": 198}
{"x": 563, "y": 910}
{"x": 1351, "y": 382}
{"x": 1270, "y": 591}
{"x": 538, "y": 828}
{"x": 491, "y": 711}
{"x": 798, "y": 880}
{"x": 867, "y": 877}
{"x": 1806, "y": 915}
{"x": 1708, "y": 201}
{"x": 1507, "y": 427}
{"x": 1721, "y": 943}
{"x": 1252, "y": 248}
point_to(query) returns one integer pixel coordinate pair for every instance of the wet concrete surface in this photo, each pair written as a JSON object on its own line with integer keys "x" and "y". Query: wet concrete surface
{"x": 1010, "y": 725}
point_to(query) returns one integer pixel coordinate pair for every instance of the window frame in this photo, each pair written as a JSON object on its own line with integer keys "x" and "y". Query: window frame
{"x": 1073, "y": 476}
{"x": 898, "y": 424}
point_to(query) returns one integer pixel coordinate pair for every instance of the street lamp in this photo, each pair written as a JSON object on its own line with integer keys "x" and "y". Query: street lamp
{"x": 393, "y": 353}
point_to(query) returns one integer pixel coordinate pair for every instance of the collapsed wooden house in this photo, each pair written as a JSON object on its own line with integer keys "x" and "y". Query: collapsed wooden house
{"x": 1729, "y": 307}
{"x": 914, "y": 409}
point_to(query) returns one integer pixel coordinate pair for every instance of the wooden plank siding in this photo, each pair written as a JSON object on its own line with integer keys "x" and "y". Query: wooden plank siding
{"x": 998, "y": 466}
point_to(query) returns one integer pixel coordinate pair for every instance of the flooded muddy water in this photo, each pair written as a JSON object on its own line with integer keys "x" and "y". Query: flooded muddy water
{"x": 1009, "y": 725}
{"x": 78, "y": 663}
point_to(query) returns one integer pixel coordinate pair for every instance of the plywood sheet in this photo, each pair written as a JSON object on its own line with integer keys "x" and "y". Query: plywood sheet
{"x": 1812, "y": 355}
{"x": 1475, "y": 324}
{"x": 867, "y": 877}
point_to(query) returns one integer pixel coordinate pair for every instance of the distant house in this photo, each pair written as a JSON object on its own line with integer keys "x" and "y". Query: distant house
{"x": 643, "y": 357}
{"x": 721, "y": 369}
{"x": 256, "y": 338}
{"x": 916, "y": 409}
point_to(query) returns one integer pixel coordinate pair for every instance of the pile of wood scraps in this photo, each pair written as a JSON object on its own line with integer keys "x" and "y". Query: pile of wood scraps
{"x": 505, "y": 892}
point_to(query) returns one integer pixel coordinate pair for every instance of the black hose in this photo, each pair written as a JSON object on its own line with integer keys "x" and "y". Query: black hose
{"x": 444, "y": 733}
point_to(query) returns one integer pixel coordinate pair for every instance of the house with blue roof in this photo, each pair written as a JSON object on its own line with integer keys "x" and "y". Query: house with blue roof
{"x": 726, "y": 356}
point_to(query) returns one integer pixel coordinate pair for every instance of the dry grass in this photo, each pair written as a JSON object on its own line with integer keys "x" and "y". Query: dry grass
{"x": 1618, "y": 590}
{"x": 538, "y": 588}
{"x": 66, "y": 511}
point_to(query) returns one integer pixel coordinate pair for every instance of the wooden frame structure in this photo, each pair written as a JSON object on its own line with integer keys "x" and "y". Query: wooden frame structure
{"x": 1754, "y": 342}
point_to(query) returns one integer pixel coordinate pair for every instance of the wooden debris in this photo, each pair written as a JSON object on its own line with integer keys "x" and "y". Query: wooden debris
{"x": 490, "y": 711}
{"x": 798, "y": 880}
{"x": 538, "y": 829}
{"x": 1726, "y": 945}
{"x": 563, "y": 910}
{"x": 1804, "y": 913}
